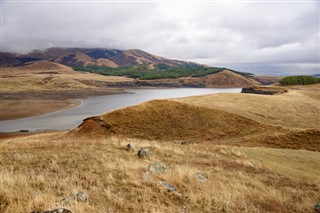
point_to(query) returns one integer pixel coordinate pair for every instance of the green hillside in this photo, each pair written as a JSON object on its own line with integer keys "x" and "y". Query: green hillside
{"x": 158, "y": 71}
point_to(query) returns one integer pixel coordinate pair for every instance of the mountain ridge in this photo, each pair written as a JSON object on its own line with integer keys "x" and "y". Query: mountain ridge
{"x": 88, "y": 56}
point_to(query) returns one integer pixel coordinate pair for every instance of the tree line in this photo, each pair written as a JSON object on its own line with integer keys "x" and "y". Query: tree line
{"x": 159, "y": 71}
{"x": 299, "y": 80}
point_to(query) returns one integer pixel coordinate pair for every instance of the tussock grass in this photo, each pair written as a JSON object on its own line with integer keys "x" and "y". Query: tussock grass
{"x": 38, "y": 171}
{"x": 298, "y": 108}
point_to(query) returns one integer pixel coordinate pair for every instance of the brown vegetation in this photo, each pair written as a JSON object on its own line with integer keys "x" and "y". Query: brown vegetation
{"x": 238, "y": 119}
{"x": 224, "y": 79}
{"x": 42, "y": 67}
{"x": 298, "y": 108}
{"x": 169, "y": 120}
{"x": 88, "y": 56}
{"x": 39, "y": 171}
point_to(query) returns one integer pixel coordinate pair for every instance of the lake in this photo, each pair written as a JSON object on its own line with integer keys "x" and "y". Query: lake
{"x": 72, "y": 117}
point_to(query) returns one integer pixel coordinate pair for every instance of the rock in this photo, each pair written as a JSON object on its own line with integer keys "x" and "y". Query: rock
{"x": 157, "y": 167}
{"x": 201, "y": 177}
{"x": 81, "y": 197}
{"x": 263, "y": 90}
{"x": 143, "y": 153}
{"x": 60, "y": 210}
{"x": 129, "y": 148}
{"x": 317, "y": 207}
{"x": 171, "y": 188}
{"x": 186, "y": 142}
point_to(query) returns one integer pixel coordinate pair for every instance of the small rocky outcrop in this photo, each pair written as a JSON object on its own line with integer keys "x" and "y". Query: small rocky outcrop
{"x": 81, "y": 197}
{"x": 156, "y": 167}
{"x": 201, "y": 177}
{"x": 170, "y": 187}
{"x": 60, "y": 210}
{"x": 144, "y": 153}
{"x": 129, "y": 148}
{"x": 263, "y": 90}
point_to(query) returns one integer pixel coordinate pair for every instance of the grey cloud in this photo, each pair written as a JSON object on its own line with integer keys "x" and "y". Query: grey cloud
{"x": 208, "y": 32}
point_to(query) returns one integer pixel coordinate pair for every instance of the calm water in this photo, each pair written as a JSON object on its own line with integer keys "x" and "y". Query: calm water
{"x": 71, "y": 118}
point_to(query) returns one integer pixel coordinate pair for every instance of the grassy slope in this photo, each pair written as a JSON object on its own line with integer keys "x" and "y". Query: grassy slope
{"x": 54, "y": 82}
{"x": 299, "y": 108}
{"x": 46, "y": 168}
{"x": 288, "y": 120}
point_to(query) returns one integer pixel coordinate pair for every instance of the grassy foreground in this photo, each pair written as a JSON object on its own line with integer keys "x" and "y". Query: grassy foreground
{"x": 37, "y": 172}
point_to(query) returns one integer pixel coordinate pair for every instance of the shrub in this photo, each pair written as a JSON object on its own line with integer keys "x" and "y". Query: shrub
{"x": 299, "y": 80}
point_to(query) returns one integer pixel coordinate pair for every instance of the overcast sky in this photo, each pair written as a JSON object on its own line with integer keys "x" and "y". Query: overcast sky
{"x": 260, "y": 37}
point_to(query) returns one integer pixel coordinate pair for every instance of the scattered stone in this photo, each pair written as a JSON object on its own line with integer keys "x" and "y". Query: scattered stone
{"x": 81, "y": 197}
{"x": 67, "y": 200}
{"x": 170, "y": 187}
{"x": 60, "y": 210}
{"x": 129, "y": 148}
{"x": 317, "y": 207}
{"x": 201, "y": 177}
{"x": 144, "y": 153}
{"x": 186, "y": 142}
{"x": 157, "y": 167}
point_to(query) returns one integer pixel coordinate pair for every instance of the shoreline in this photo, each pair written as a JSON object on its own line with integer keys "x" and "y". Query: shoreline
{"x": 35, "y": 108}
{"x": 19, "y": 105}
{"x": 26, "y": 104}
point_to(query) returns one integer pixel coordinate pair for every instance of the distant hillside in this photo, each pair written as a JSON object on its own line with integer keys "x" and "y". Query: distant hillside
{"x": 46, "y": 66}
{"x": 41, "y": 67}
{"x": 89, "y": 57}
{"x": 137, "y": 64}
{"x": 157, "y": 71}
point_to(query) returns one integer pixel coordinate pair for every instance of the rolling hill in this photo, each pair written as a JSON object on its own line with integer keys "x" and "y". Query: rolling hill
{"x": 238, "y": 119}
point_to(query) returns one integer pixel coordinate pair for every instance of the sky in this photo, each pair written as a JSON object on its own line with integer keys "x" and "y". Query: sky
{"x": 263, "y": 37}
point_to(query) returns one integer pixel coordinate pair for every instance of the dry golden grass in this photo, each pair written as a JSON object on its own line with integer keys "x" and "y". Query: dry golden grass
{"x": 36, "y": 68}
{"x": 38, "y": 171}
{"x": 299, "y": 108}
{"x": 198, "y": 119}
{"x": 170, "y": 120}
{"x": 55, "y": 82}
